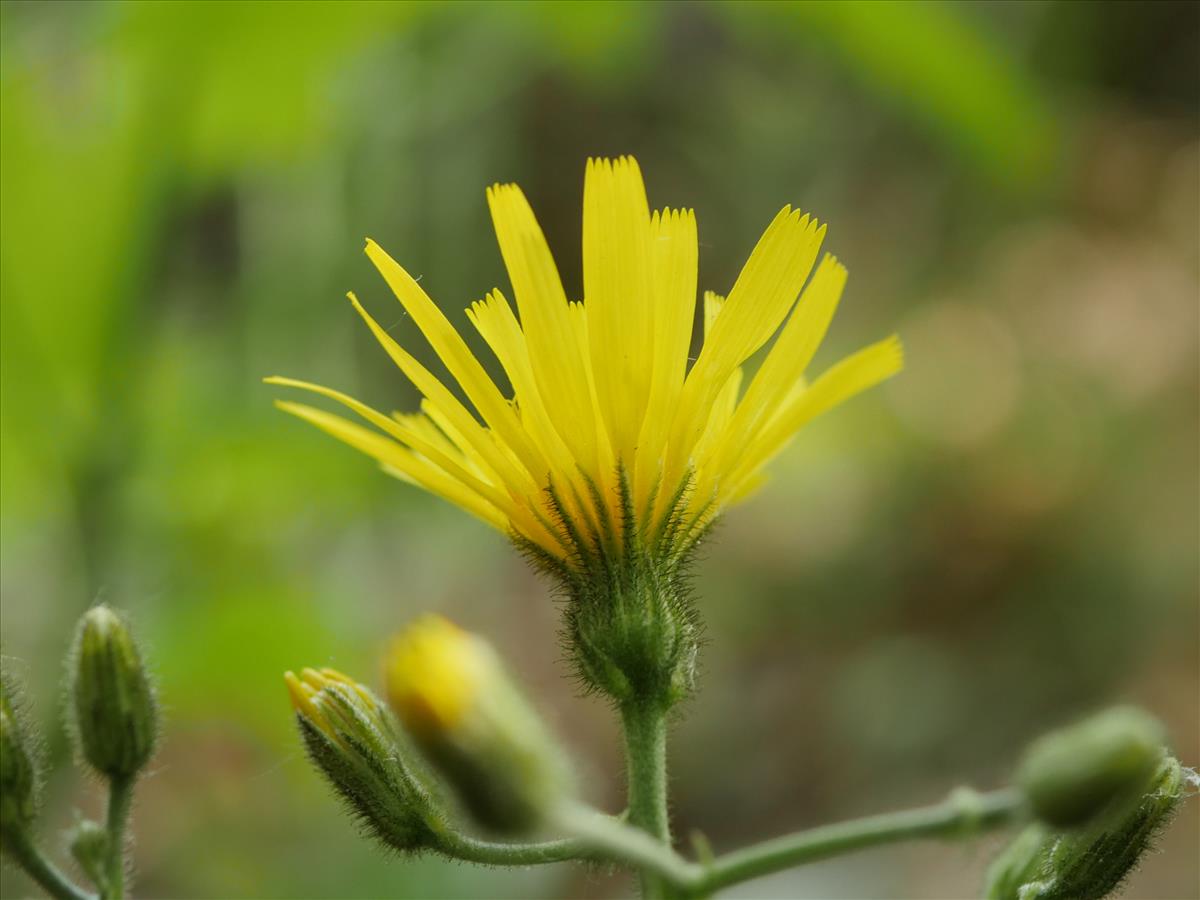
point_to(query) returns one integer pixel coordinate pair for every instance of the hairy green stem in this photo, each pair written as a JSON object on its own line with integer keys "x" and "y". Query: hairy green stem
{"x": 120, "y": 797}
{"x": 596, "y": 836}
{"x": 609, "y": 839}
{"x": 646, "y": 765}
{"x": 494, "y": 853}
{"x": 965, "y": 813}
{"x": 40, "y": 869}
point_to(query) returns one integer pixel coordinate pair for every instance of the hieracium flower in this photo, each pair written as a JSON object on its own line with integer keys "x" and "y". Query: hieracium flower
{"x": 614, "y": 456}
{"x": 455, "y": 697}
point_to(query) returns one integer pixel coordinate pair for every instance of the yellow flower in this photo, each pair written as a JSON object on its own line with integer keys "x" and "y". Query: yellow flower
{"x": 612, "y": 445}
{"x": 455, "y": 697}
{"x": 435, "y": 672}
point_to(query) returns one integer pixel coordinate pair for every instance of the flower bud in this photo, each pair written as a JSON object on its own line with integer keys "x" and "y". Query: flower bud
{"x": 114, "y": 710}
{"x": 90, "y": 844}
{"x": 353, "y": 739}
{"x": 1071, "y": 775}
{"x": 454, "y": 696}
{"x": 18, "y": 770}
{"x": 1092, "y": 861}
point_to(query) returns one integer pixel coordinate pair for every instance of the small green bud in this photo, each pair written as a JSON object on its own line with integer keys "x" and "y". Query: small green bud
{"x": 1089, "y": 863}
{"x": 114, "y": 710}
{"x": 89, "y": 842}
{"x": 354, "y": 740}
{"x": 1071, "y": 775}
{"x": 18, "y": 767}
{"x": 454, "y": 696}
{"x": 1020, "y": 864}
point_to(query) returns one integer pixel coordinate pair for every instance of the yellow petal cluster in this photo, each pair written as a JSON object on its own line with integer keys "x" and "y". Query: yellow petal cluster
{"x": 435, "y": 672}
{"x": 610, "y": 439}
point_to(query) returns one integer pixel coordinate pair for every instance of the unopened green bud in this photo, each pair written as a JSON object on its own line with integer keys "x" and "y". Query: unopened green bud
{"x": 1071, "y": 775}
{"x": 1090, "y": 862}
{"x": 18, "y": 767}
{"x": 90, "y": 845}
{"x": 454, "y": 696}
{"x": 355, "y": 742}
{"x": 113, "y": 705}
{"x": 1020, "y": 864}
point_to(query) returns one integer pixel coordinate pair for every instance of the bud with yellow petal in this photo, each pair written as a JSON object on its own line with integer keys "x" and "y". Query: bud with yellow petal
{"x": 455, "y": 697}
{"x": 114, "y": 711}
{"x": 353, "y": 739}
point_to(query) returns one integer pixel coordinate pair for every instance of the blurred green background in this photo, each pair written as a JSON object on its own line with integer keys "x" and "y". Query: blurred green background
{"x": 1002, "y": 538}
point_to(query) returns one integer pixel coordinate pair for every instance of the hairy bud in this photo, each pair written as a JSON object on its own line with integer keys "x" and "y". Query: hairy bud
{"x": 352, "y": 738}
{"x": 1072, "y": 774}
{"x": 90, "y": 846}
{"x": 18, "y": 767}
{"x": 113, "y": 705}
{"x": 1102, "y": 790}
{"x": 454, "y": 696}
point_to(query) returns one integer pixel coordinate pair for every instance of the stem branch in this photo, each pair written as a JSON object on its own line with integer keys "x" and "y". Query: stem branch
{"x": 963, "y": 814}
{"x": 41, "y": 870}
{"x": 609, "y": 839}
{"x": 494, "y": 853}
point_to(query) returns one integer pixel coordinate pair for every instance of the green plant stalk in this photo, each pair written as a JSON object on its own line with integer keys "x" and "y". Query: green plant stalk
{"x": 964, "y": 814}
{"x": 495, "y": 853}
{"x": 41, "y": 870}
{"x": 645, "y": 725}
{"x": 120, "y": 797}
{"x": 608, "y": 839}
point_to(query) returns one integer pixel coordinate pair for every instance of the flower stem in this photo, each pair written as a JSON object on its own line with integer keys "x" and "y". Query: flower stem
{"x": 965, "y": 813}
{"x": 494, "y": 853}
{"x": 646, "y": 763}
{"x": 120, "y": 797}
{"x": 40, "y": 869}
{"x": 609, "y": 839}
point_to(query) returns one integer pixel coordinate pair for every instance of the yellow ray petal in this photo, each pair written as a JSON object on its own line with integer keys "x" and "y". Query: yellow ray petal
{"x": 421, "y": 424}
{"x": 785, "y": 364}
{"x": 494, "y": 320}
{"x": 674, "y": 257}
{"x": 603, "y": 471}
{"x": 395, "y": 456}
{"x": 616, "y": 290}
{"x": 764, "y": 292}
{"x": 713, "y": 304}
{"x": 413, "y": 438}
{"x": 459, "y": 360}
{"x": 851, "y": 376}
{"x": 468, "y": 432}
{"x": 557, "y": 366}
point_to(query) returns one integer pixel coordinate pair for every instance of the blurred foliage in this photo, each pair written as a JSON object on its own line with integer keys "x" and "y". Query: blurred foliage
{"x": 1006, "y": 535}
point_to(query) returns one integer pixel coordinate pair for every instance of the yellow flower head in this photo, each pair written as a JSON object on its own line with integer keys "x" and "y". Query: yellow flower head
{"x": 455, "y": 697}
{"x": 434, "y": 673}
{"x": 611, "y": 445}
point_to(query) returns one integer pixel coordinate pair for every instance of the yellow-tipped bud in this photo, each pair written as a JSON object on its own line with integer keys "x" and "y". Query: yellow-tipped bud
{"x": 353, "y": 739}
{"x": 454, "y": 696}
